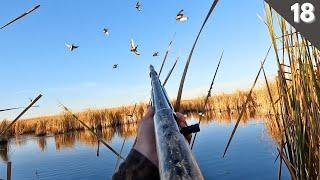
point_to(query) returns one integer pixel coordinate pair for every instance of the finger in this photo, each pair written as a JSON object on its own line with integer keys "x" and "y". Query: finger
{"x": 180, "y": 116}
{"x": 182, "y": 123}
{"x": 181, "y": 120}
{"x": 149, "y": 112}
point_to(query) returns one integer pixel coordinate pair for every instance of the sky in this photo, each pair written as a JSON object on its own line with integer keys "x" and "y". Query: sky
{"x": 34, "y": 58}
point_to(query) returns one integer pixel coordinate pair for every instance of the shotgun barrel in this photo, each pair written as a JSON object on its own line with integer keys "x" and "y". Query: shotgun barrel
{"x": 176, "y": 160}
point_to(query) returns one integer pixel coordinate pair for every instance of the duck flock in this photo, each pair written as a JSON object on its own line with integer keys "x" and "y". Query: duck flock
{"x": 180, "y": 17}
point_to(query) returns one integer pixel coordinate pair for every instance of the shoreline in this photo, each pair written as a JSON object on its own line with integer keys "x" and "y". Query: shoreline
{"x": 223, "y": 104}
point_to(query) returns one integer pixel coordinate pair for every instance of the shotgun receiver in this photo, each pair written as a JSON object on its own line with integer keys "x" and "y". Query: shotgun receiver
{"x": 174, "y": 154}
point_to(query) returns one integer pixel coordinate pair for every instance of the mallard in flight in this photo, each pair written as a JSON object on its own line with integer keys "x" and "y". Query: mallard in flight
{"x": 71, "y": 47}
{"x": 181, "y": 17}
{"x": 106, "y": 31}
{"x": 138, "y": 6}
{"x": 134, "y": 48}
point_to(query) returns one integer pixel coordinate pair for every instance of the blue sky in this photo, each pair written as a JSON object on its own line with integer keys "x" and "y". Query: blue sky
{"x": 34, "y": 58}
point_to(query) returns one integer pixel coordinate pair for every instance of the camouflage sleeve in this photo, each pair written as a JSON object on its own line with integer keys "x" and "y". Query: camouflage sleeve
{"x": 136, "y": 166}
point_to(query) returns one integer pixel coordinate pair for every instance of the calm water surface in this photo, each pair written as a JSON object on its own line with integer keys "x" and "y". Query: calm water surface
{"x": 73, "y": 156}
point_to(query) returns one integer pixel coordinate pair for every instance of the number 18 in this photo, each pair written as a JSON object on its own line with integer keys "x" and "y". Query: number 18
{"x": 307, "y": 14}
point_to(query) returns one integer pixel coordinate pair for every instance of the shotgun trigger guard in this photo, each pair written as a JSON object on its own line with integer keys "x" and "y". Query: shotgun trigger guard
{"x": 190, "y": 129}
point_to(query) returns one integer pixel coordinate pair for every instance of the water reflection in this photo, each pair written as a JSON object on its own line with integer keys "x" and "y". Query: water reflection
{"x": 4, "y": 149}
{"x": 19, "y": 140}
{"x": 226, "y": 116}
{"x": 72, "y": 155}
{"x": 63, "y": 141}
{"x": 42, "y": 143}
{"x": 69, "y": 140}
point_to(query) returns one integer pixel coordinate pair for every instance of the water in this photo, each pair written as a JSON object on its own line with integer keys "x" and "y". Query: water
{"x": 73, "y": 156}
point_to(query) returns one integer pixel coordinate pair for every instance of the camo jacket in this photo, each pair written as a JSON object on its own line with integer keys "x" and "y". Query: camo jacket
{"x": 136, "y": 167}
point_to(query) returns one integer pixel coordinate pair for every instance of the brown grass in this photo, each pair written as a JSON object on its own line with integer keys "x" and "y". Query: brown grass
{"x": 295, "y": 123}
{"x": 223, "y": 106}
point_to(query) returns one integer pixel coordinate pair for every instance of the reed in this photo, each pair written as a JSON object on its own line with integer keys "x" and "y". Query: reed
{"x": 70, "y": 139}
{"x": 41, "y": 128}
{"x": 166, "y": 54}
{"x": 248, "y": 99}
{"x": 218, "y": 106}
{"x": 171, "y": 70}
{"x": 5, "y": 123}
{"x": 183, "y": 77}
{"x": 202, "y": 113}
{"x": 95, "y": 133}
{"x": 9, "y": 126}
{"x": 296, "y": 107}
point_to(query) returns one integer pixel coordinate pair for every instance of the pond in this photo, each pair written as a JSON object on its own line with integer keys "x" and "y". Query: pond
{"x": 251, "y": 155}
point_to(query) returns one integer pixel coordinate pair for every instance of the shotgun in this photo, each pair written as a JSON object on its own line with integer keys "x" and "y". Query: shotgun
{"x": 176, "y": 160}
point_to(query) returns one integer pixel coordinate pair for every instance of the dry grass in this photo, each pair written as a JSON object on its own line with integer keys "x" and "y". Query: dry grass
{"x": 219, "y": 107}
{"x": 58, "y": 124}
{"x": 296, "y": 108}
{"x": 232, "y": 102}
{"x": 70, "y": 139}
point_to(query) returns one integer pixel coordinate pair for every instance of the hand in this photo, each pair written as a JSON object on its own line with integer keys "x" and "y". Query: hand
{"x": 181, "y": 120}
{"x": 145, "y": 141}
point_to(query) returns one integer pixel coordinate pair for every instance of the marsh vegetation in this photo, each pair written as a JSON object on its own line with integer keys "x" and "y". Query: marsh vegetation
{"x": 219, "y": 107}
{"x": 296, "y": 106}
